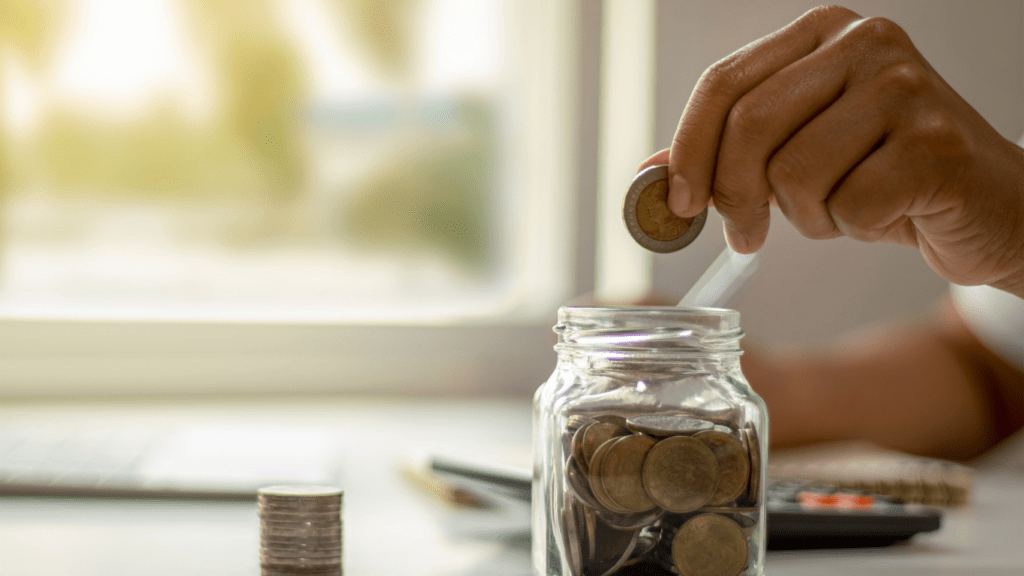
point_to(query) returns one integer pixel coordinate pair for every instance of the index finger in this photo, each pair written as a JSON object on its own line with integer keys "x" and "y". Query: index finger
{"x": 694, "y": 152}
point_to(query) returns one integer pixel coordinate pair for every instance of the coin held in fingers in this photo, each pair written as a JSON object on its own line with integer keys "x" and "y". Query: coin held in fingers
{"x": 648, "y": 218}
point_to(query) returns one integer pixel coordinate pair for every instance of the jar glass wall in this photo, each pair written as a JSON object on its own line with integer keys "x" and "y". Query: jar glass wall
{"x": 648, "y": 447}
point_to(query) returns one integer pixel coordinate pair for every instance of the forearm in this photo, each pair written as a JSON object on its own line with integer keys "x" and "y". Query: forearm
{"x": 929, "y": 389}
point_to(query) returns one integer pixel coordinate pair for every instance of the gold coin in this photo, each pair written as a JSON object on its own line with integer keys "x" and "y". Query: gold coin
{"x": 612, "y": 548}
{"x": 648, "y": 219}
{"x": 709, "y": 545}
{"x": 571, "y": 537}
{"x": 594, "y": 436}
{"x": 733, "y": 465}
{"x": 654, "y": 217}
{"x": 664, "y": 425}
{"x": 621, "y": 472}
{"x": 596, "y": 484}
{"x": 577, "y": 448}
{"x": 616, "y": 419}
{"x": 679, "y": 473}
{"x": 753, "y": 447}
{"x": 579, "y": 484}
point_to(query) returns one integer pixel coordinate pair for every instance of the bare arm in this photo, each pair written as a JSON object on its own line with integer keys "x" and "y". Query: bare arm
{"x": 929, "y": 388}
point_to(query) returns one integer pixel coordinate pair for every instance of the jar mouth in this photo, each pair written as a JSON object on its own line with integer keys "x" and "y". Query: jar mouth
{"x": 648, "y": 329}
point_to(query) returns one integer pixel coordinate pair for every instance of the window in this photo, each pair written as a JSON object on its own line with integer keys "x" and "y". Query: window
{"x": 282, "y": 195}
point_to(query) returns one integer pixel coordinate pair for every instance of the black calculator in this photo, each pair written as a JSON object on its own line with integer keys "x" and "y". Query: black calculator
{"x": 800, "y": 514}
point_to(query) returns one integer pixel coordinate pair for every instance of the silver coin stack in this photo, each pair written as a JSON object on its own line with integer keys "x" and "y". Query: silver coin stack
{"x": 300, "y": 530}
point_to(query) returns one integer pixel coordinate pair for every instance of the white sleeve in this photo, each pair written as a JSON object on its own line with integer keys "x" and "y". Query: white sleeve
{"x": 995, "y": 317}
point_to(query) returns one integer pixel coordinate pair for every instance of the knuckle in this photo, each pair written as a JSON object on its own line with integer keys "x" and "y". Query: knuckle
{"x": 829, "y": 13}
{"x": 908, "y": 78}
{"x": 721, "y": 77}
{"x": 878, "y": 31}
{"x": 855, "y": 222}
{"x": 787, "y": 172}
{"x": 747, "y": 119}
{"x": 939, "y": 131}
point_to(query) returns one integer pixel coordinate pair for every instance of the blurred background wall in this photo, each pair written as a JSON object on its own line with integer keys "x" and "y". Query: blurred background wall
{"x": 808, "y": 290}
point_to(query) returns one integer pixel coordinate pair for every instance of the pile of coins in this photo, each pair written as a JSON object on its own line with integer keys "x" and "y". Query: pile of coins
{"x": 300, "y": 530}
{"x": 676, "y": 490}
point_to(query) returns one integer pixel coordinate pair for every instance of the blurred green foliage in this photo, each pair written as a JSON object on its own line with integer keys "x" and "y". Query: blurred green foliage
{"x": 434, "y": 195}
{"x": 438, "y": 195}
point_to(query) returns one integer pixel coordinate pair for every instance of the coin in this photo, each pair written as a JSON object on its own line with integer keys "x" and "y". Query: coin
{"x": 718, "y": 412}
{"x": 709, "y": 545}
{"x": 594, "y": 436}
{"x": 322, "y": 533}
{"x": 679, "y": 473}
{"x": 616, "y": 419}
{"x": 312, "y": 570}
{"x": 579, "y": 485}
{"x": 664, "y": 425}
{"x": 648, "y": 219}
{"x": 588, "y": 521}
{"x": 621, "y": 472}
{"x": 300, "y": 492}
{"x": 595, "y": 478}
{"x": 280, "y": 559}
{"x": 733, "y": 465}
{"x": 571, "y": 538}
{"x": 753, "y": 447}
{"x": 578, "y": 442}
{"x": 613, "y": 547}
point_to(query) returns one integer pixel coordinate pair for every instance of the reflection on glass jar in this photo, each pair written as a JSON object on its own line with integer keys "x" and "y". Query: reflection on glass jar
{"x": 648, "y": 447}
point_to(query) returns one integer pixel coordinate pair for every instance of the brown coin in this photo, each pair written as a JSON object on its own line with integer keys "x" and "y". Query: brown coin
{"x": 664, "y": 425}
{"x": 753, "y": 447}
{"x": 613, "y": 547}
{"x": 679, "y": 473}
{"x": 648, "y": 219}
{"x": 579, "y": 485}
{"x": 571, "y": 537}
{"x": 577, "y": 421}
{"x": 587, "y": 520}
{"x": 621, "y": 472}
{"x": 578, "y": 454}
{"x": 709, "y": 545}
{"x": 616, "y": 419}
{"x": 596, "y": 481}
{"x": 733, "y": 465}
{"x": 594, "y": 436}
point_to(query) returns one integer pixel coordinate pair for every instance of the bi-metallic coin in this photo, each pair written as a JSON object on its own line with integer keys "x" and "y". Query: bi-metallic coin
{"x": 648, "y": 219}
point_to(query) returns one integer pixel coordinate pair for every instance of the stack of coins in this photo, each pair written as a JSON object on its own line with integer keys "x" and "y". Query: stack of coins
{"x": 680, "y": 490}
{"x": 300, "y": 530}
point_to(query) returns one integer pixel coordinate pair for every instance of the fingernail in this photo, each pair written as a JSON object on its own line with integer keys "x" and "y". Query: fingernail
{"x": 679, "y": 196}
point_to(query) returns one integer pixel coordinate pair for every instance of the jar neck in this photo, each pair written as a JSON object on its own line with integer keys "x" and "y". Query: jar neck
{"x": 649, "y": 333}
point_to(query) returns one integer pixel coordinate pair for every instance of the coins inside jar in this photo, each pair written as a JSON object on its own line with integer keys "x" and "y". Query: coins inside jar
{"x": 648, "y": 480}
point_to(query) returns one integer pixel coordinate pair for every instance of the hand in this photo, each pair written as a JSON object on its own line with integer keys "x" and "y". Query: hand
{"x": 842, "y": 124}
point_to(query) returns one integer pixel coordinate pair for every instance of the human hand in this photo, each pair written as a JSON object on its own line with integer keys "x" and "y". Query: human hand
{"x": 842, "y": 124}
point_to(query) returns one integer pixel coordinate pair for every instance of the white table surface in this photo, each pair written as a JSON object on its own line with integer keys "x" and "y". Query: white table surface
{"x": 394, "y": 527}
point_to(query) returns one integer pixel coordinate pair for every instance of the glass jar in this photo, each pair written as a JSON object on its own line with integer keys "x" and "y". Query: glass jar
{"x": 648, "y": 447}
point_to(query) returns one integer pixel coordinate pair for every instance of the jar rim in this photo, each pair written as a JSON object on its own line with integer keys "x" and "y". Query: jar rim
{"x": 651, "y": 329}
{"x": 728, "y": 319}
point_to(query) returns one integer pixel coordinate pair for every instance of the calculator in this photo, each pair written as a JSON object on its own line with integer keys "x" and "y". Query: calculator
{"x": 800, "y": 514}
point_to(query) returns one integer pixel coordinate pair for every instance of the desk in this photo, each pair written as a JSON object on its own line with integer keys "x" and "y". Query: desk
{"x": 393, "y": 527}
